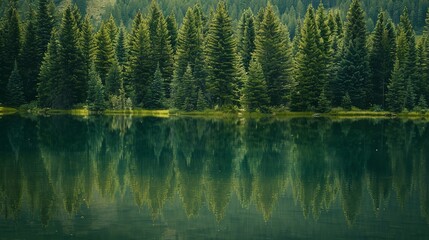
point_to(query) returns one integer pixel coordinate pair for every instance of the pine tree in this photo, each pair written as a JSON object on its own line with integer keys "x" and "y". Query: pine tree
{"x": 397, "y": 89}
{"x": 95, "y": 94}
{"x": 161, "y": 49}
{"x": 221, "y": 60}
{"x": 323, "y": 105}
{"x": 411, "y": 57}
{"x": 190, "y": 54}
{"x": 246, "y": 38}
{"x": 104, "y": 52}
{"x": 309, "y": 72}
{"x": 113, "y": 80}
{"x": 44, "y": 25}
{"x": 87, "y": 47}
{"x": 72, "y": 88}
{"x": 15, "y": 94}
{"x": 273, "y": 51}
{"x": 255, "y": 94}
{"x": 121, "y": 53}
{"x": 381, "y": 58}
{"x": 11, "y": 46}
{"x": 139, "y": 62}
{"x": 325, "y": 45}
{"x": 424, "y": 59}
{"x": 29, "y": 67}
{"x": 201, "y": 101}
{"x": 172, "y": 31}
{"x": 156, "y": 91}
{"x": 184, "y": 95}
{"x": 113, "y": 31}
{"x": 353, "y": 73}
{"x": 48, "y": 75}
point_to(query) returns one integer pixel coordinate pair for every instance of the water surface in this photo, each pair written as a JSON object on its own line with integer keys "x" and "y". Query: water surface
{"x": 185, "y": 178}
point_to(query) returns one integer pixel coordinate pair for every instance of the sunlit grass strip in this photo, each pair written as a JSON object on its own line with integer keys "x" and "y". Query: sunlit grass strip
{"x": 7, "y": 110}
{"x": 139, "y": 112}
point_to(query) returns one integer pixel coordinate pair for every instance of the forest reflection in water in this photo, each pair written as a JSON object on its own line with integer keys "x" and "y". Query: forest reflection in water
{"x": 53, "y": 166}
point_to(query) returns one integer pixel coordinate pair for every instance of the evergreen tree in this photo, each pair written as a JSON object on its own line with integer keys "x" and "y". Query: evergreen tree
{"x": 156, "y": 91}
{"x": 172, "y": 30}
{"x": 11, "y": 46}
{"x": 381, "y": 58}
{"x": 323, "y": 105}
{"x": 246, "y": 38}
{"x": 273, "y": 51}
{"x": 15, "y": 94}
{"x": 201, "y": 101}
{"x": 396, "y": 96}
{"x": 190, "y": 54}
{"x": 112, "y": 30}
{"x": 424, "y": 61}
{"x": 104, "y": 52}
{"x": 255, "y": 94}
{"x": 221, "y": 60}
{"x": 139, "y": 63}
{"x": 113, "y": 80}
{"x": 121, "y": 53}
{"x": 184, "y": 95}
{"x": 44, "y": 25}
{"x": 87, "y": 46}
{"x": 353, "y": 73}
{"x": 309, "y": 73}
{"x": 325, "y": 45}
{"x": 410, "y": 58}
{"x": 161, "y": 50}
{"x": 48, "y": 75}
{"x": 29, "y": 67}
{"x": 72, "y": 88}
{"x": 95, "y": 94}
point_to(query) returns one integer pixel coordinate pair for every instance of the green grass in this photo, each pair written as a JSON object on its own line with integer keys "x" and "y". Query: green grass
{"x": 7, "y": 110}
{"x": 139, "y": 112}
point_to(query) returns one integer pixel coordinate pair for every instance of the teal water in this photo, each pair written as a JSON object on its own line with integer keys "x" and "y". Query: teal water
{"x": 65, "y": 177}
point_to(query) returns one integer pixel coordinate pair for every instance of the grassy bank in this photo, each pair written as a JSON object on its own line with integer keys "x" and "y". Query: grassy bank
{"x": 335, "y": 113}
{"x": 7, "y": 110}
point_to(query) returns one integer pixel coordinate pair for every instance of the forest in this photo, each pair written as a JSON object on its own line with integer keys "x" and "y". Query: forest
{"x": 216, "y": 55}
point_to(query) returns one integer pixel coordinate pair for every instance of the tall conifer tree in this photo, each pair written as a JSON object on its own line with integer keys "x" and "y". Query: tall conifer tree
{"x": 273, "y": 51}
{"x": 221, "y": 60}
{"x": 353, "y": 72}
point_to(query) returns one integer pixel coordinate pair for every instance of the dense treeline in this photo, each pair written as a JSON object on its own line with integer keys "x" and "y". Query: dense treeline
{"x": 209, "y": 63}
{"x": 206, "y": 162}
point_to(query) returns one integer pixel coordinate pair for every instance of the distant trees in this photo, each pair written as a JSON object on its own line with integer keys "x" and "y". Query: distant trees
{"x": 208, "y": 63}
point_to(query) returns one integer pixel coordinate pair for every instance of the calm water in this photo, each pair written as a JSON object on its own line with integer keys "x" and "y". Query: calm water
{"x": 182, "y": 178}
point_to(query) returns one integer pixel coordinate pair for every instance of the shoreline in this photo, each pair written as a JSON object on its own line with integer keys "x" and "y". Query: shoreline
{"x": 213, "y": 113}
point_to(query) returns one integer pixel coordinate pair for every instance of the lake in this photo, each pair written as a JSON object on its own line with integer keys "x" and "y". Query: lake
{"x": 119, "y": 177}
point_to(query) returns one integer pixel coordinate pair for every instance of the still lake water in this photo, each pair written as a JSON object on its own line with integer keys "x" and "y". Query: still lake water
{"x": 65, "y": 177}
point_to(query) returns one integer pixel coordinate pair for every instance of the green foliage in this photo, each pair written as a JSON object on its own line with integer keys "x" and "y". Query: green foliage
{"x": 9, "y": 49}
{"x": 15, "y": 94}
{"x": 323, "y": 105}
{"x": 155, "y": 99}
{"x": 353, "y": 73}
{"x": 29, "y": 67}
{"x": 71, "y": 86}
{"x": 95, "y": 95}
{"x": 382, "y": 58}
{"x": 255, "y": 96}
{"x": 309, "y": 66}
{"x": 246, "y": 38}
{"x": 273, "y": 51}
{"x": 346, "y": 102}
{"x": 139, "y": 62}
{"x": 49, "y": 71}
{"x": 113, "y": 80}
{"x": 104, "y": 52}
{"x": 221, "y": 60}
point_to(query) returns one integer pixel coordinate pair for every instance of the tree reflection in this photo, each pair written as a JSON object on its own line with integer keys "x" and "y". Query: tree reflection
{"x": 51, "y": 165}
